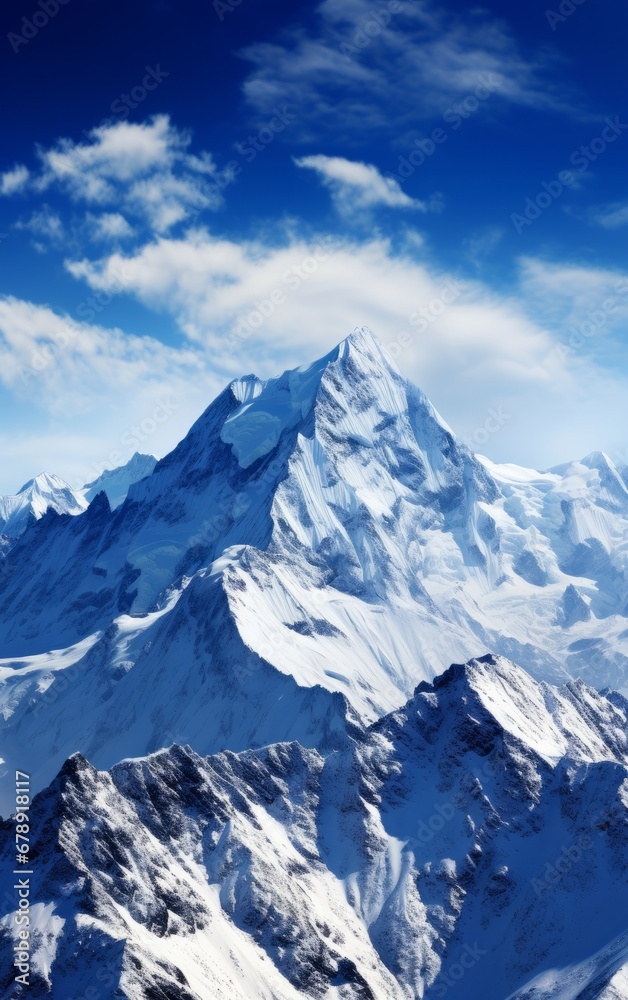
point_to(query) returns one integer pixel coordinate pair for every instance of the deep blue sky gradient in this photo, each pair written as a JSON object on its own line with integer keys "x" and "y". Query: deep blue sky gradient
{"x": 65, "y": 80}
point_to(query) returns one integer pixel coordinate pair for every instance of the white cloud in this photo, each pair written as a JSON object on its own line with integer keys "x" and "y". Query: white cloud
{"x": 265, "y": 308}
{"x": 118, "y": 152}
{"x": 110, "y": 226}
{"x": 165, "y": 199}
{"x": 388, "y": 69}
{"x": 14, "y": 181}
{"x": 145, "y": 168}
{"x": 587, "y": 308}
{"x": 106, "y": 393}
{"x": 357, "y": 185}
{"x": 567, "y": 292}
{"x": 44, "y": 223}
{"x": 59, "y": 355}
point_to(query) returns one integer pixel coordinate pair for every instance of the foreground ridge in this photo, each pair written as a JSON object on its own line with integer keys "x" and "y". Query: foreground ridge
{"x": 472, "y": 843}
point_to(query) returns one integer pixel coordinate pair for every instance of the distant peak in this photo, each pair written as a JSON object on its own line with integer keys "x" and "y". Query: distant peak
{"x": 597, "y": 460}
{"x": 45, "y": 481}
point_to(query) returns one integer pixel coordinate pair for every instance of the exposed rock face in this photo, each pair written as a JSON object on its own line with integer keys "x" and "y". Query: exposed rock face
{"x": 463, "y": 845}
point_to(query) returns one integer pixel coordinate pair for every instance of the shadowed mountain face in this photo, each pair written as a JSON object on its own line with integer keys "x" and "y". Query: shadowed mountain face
{"x": 316, "y": 546}
{"x": 471, "y": 844}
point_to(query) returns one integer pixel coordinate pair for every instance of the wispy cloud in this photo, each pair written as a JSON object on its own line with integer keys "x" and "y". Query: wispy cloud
{"x": 15, "y": 180}
{"x": 45, "y": 224}
{"x": 355, "y": 186}
{"x": 482, "y": 244}
{"x": 570, "y": 295}
{"x": 110, "y": 226}
{"x": 75, "y": 363}
{"x": 105, "y": 392}
{"x": 357, "y": 73}
{"x": 610, "y": 216}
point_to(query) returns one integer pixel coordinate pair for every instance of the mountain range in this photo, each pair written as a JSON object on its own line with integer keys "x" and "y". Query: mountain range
{"x": 311, "y": 800}
{"x": 44, "y": 492}
{"x": 49, "y": 492}
{"x": 473, "y": 844}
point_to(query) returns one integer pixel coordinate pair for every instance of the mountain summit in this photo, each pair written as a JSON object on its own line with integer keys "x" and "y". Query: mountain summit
{"x": 44, "y": 492}
{"x": 316, "y": 546}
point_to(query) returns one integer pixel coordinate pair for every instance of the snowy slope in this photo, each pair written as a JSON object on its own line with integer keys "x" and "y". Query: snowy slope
{"x": 315, "y": 547}
{"x": 116, "y": 482}
{"x": 603, "y": 976}
{"x": 473, "y": 843}
{"x": 45, "y": 492}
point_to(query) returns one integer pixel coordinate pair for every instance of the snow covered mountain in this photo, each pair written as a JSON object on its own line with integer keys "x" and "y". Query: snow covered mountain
{"x": 315, "y": 547}
{"x": 472, "y": 844}
{"x": 116, "y": 482}
{"x": 45, "y": 492}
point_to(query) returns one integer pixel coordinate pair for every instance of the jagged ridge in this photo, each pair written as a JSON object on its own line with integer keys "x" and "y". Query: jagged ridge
{"x": 443, "y": 851}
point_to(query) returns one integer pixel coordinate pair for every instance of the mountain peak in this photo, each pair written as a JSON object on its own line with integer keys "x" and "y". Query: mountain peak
{"x": 45, "y": 482}
{"x": 364, "y": 345}
{"x": 117, "y": 482}
{"x": 363, "y": 339}
{"x": 45, "y": 492}
{"x": 267, "y": 408}
{"x": 597, "y": 460}
{"x": 552, "y": 722}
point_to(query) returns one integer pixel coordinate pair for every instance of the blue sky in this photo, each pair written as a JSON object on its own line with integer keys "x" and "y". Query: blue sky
{"x": 195, "y": 191}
